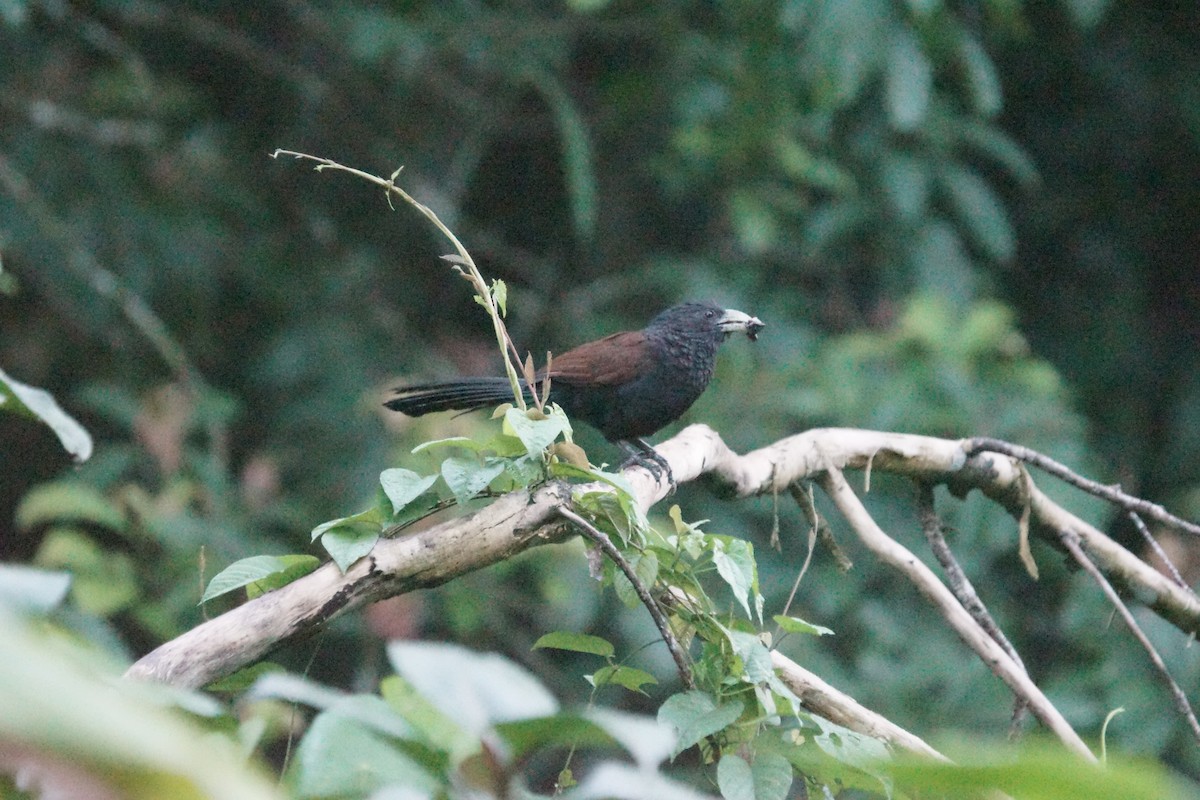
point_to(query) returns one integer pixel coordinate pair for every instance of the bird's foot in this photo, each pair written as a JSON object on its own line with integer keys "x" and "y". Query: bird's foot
{"x": 654, "y": 463}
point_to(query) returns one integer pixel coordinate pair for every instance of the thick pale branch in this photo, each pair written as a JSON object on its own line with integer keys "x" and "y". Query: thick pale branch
{"x": 429, "y": 558}
{"x": 698, "y": 449}
{"x": 837, "y": 706}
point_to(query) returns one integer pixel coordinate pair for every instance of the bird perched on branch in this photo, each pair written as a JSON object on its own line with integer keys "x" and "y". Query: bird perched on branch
{"x": 627, "y": 386}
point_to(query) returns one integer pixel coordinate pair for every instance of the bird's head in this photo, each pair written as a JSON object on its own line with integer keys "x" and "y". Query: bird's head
{"x": 694, "y": 317}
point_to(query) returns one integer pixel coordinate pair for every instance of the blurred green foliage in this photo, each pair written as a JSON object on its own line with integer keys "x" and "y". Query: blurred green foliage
{"x": 956, "y": 219}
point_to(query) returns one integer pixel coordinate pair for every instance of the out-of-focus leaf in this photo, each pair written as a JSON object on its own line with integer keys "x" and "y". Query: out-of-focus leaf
{"x": 476, "y": 690}
{"x": 909, "y": 84}
{"x": 104, "y": 581}
{"x": 1040, "y": 771}
{"x": 241, "y": 681}
{"x": 67, "y": 501}
{"x": 435, "y": 727}
{"x": 110, "y": 730}
{"x": 578, "y": 161}
{"x": 339, "y": 757}
{"x": 567, "y": 730}
{"x": 647, "y": 740}
{"x": 982, "y": 81}
{"x": 981, "y": 212}
{"x": 627, "y": 677}
{"x": 40, "y": 404}
{"x": 905, "y": 181}
{"x": 1087, "y": 13}
{"x": 33, "y": 591}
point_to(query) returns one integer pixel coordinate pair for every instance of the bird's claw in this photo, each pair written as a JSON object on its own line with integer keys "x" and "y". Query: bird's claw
{"x": 654, "y": 463}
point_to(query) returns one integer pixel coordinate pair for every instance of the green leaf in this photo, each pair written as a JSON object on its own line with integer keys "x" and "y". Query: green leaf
{"x": 575, "y": 642}
{"x": 909, "y": 81}
{"x": 756, "y": 658}
{"x": 61, "y": 501}
{"x": 981, "y": 212}
{"x": 645, "y": 567}
{"x": 453, "y": 441}
{"x": 294, "y": 566}
{"x": 104, "y": 581}
{"x": 240, "y": 573}
{"x": 1039, "y": 770}
{"x": 797, "y": 625}
{"x": 339, "y": 757}
{"x": 350, "y": 538}
{"x": 734, "y": 559}
{"x": 535, "y": 434}
{"x": 436, "y": 727}
{"x": 350, "y": 542}
{"x": 467, "y": 477}
{"x": 486, "y": 688}
{"x": 563, "y": 730}
{"x": 34, "y": 591}
{"x": 734, "y": 778}
{"x": 983, "y": 82}
{"x": 628, "y": 677}
{"x": 500, "y": 295}
{"x": 695, "y": 715}
{"x": 369, "y": 517}
{"x": 772, "y": 775}
{"x": 40, "y": 404}
{"x": 402, "y": 486}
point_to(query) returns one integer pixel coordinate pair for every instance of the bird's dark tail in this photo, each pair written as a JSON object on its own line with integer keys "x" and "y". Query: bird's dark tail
{"x": 461, "y": 395}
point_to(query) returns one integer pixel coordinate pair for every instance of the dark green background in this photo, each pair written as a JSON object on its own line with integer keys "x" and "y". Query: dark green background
{"x": 958, "y": 219}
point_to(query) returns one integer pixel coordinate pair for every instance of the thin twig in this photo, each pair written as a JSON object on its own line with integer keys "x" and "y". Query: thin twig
{"x": 1113, "y": 494}
{"x": 962, "y": 587}
{"x": 462, "y": 262}
{"x": 605, "y": 544}
{"x": 814, "y": 522}
{"x": 804, "y": 498}
{"x": 1168, "y": 564}
{"x": 1071, "y": 542}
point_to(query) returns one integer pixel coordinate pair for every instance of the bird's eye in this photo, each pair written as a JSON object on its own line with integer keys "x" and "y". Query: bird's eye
{"x": 710, "y": 314}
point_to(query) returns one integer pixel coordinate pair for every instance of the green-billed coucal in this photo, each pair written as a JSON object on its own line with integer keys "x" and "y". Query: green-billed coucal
{"x": 627, "y": 385}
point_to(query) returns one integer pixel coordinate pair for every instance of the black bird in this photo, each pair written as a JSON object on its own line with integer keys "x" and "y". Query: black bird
{"x": 627, "y": 386}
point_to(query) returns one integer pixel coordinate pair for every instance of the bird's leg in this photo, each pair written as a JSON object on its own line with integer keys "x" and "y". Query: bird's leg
{"x": 643, "y": 454}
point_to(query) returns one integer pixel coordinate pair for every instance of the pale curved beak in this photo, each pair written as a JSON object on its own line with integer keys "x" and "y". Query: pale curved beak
{"x": 734, "y": 321}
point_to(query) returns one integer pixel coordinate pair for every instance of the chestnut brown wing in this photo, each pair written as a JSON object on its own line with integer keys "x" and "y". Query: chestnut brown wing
{"x": 612, "y": 361}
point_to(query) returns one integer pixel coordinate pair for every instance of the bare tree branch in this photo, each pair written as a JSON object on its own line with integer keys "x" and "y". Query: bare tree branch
{"x": 899, "y": 557}
{"x": 837, "y": 706}
{"x": 1112, "y": 494}
{"x": 431, "y": 557}
{"x": 523, "y": 519}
